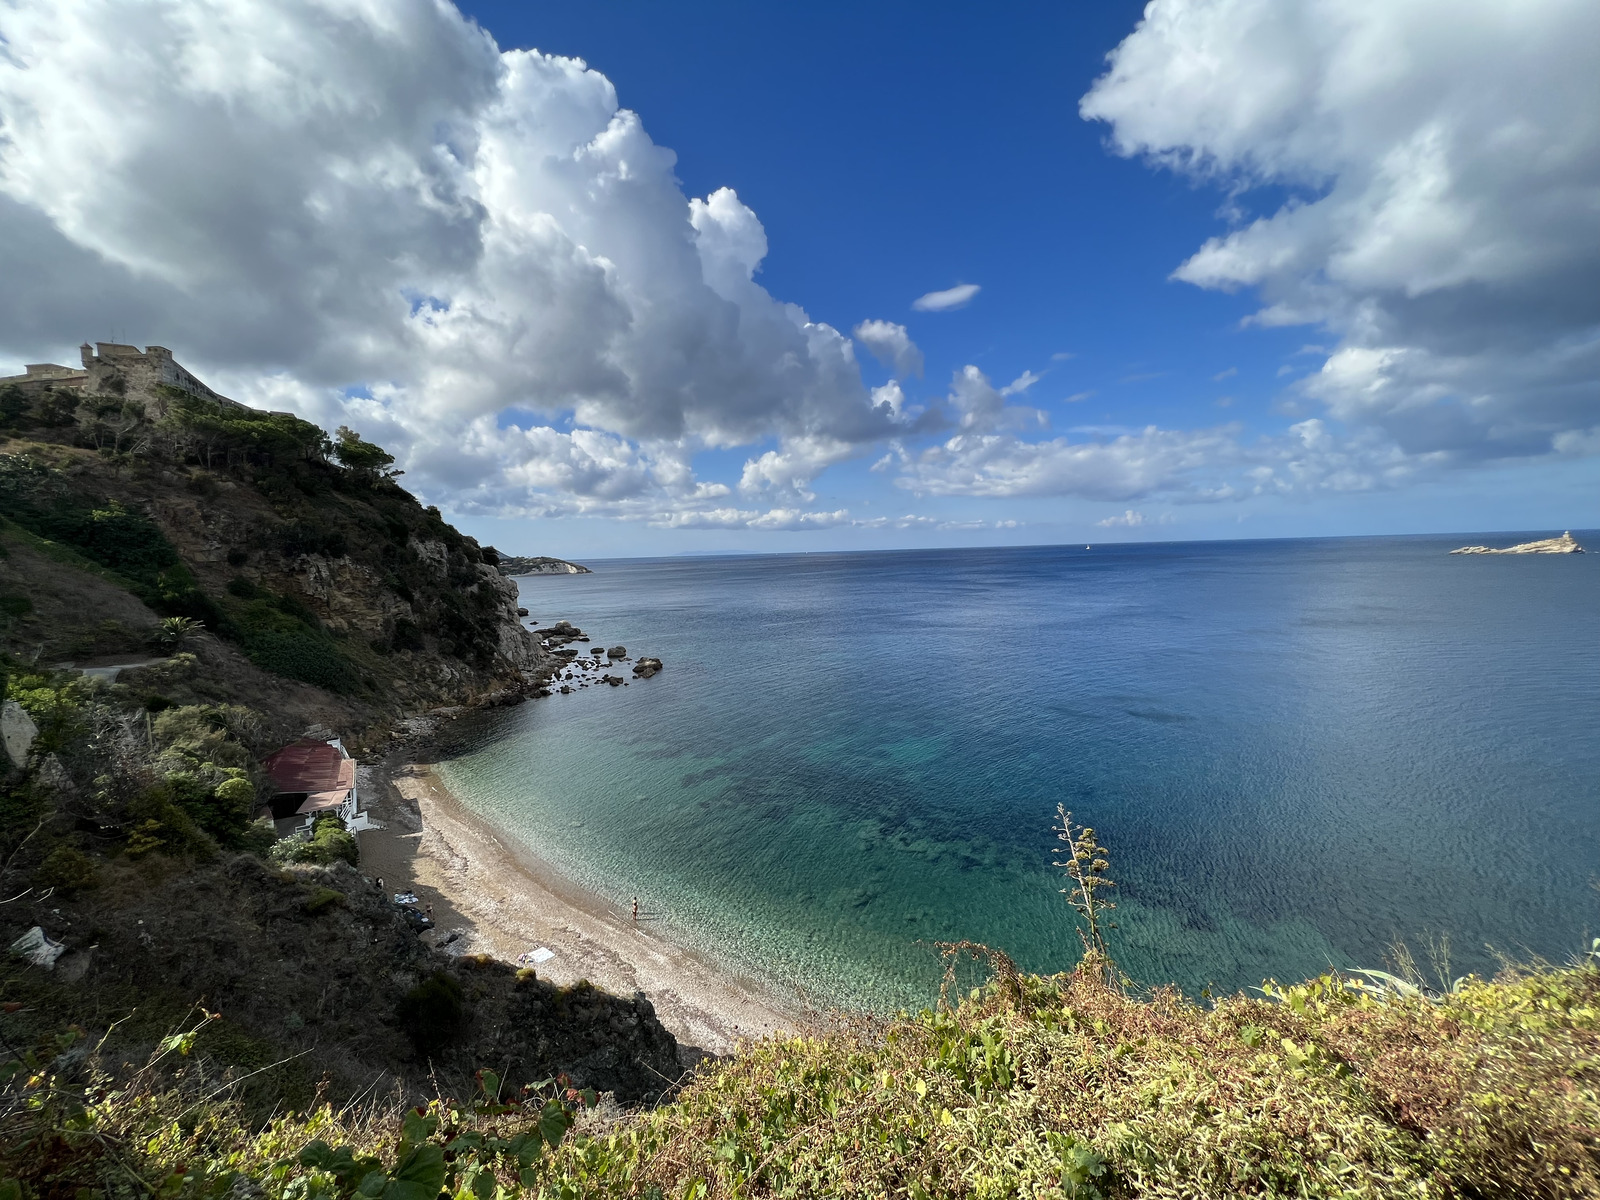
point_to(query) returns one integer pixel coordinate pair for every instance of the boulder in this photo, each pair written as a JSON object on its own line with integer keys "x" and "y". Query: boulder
{"x": 17, "y": 731}
{"x": 617, "y": 652}
{"x": 646, "y": 667}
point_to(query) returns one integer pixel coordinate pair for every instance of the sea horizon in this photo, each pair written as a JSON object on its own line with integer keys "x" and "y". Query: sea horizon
{"x": 1579, "y": 532}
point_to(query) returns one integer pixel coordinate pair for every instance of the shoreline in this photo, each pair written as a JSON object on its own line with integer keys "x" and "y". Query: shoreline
{"x": 498, "y": 898}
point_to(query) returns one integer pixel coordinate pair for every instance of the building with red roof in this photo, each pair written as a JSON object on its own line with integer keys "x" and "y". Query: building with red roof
{"x": 313, "y": 778}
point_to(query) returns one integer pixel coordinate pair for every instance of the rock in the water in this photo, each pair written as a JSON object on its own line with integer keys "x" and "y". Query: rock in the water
{"x": 613, "y": 680}
{"x": 617, "y": 652}
{"x": 522, "y": 612}
{"x": 646, "y": 667}
{"x": 1565, "y": 544}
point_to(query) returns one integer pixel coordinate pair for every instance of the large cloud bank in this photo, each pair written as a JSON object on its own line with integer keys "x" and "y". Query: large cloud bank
{"x": 1443, "y": 163}
{"x": 365, "y": 210}
{"x": 369, "y": 195}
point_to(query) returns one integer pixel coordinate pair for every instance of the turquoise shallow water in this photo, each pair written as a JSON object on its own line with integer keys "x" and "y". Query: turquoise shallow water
{"x": 1296, "y": 752}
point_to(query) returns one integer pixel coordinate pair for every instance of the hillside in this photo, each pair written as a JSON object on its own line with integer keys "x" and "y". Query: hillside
{"x": 323, "y": 586}
{"x": 253, "y": 578}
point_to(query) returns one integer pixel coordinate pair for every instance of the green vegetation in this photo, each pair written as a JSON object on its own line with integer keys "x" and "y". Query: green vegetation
{"x": 71, "y": 1128}
{"x": 179, "y": 782}
{"x": 128, "y": 544}
{"x": 329, "y": 843}
{"x": 1061, "y": 1086}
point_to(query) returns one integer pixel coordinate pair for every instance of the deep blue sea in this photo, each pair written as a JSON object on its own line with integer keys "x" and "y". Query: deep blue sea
{"x": 1296, "y": 752}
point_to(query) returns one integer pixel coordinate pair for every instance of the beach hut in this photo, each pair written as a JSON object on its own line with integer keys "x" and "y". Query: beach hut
{"x": 314, "y": 778}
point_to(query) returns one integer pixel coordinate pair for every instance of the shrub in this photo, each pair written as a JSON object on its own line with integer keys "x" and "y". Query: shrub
{"x": 237, "y": 794}
{"x": 305, "y": 537}
{"x": 67, "y": 870}
{"x": 321, "y": 899}
{"x": 158, "y": 822}
{"x": 258, "y": 838}
{"x": 14, "y": 405}
{"x": 330, "y": 842}
{"x": 432, "y": 1012}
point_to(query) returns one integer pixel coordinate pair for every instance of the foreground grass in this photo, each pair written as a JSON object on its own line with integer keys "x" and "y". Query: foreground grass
{"x": 1060, "y": 1086}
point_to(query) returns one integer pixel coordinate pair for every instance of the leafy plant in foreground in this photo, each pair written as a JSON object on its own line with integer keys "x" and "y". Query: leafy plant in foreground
{"x": 475, "y": 1150}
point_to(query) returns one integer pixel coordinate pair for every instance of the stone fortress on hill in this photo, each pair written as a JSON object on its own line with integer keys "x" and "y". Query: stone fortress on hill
{"x": 110, "y": 368}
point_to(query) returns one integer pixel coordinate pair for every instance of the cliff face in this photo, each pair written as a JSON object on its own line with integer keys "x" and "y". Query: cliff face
{"x": 299, "y": 554}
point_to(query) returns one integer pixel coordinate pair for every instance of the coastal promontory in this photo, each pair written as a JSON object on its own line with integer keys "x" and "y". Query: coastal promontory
{"x": 539, "y": 565}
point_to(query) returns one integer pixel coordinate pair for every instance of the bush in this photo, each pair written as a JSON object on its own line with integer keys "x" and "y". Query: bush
{"x": 305, "y": 537}
{"x": 321, "y": 899}
{"x": 259, "y": 838}
{"x": 330, "y": 842}
{"x": 432, "y": 1012}
{"x": 67, "y": 870}
{"x": 303, "y": 655}
{"x": 158, "y": 822}
{"x": 237, "y": 795}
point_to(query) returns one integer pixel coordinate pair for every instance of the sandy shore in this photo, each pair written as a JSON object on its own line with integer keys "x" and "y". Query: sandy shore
{"x": 498, "y": 899}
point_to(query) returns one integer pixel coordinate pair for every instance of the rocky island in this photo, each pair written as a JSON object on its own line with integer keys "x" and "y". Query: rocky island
{"x": 1565, "y": 544}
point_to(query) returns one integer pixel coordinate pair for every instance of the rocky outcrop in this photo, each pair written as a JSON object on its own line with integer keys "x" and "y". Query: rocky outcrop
{"x": 646, "y": 667}
{"x": 1565, "y": 544}
{"x": 539, "y": 565}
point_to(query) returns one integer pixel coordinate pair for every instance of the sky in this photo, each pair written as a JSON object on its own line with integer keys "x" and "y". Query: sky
{"x": 628, "y": 278}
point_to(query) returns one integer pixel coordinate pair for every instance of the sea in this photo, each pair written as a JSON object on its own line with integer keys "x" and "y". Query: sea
{"x": 1299, "y": 755}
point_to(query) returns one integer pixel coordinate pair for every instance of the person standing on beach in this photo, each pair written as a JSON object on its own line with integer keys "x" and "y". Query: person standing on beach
{"x": 636, "y": 910}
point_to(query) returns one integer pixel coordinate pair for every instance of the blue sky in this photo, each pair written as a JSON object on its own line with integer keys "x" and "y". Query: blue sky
{"x": 1339, "y": 278}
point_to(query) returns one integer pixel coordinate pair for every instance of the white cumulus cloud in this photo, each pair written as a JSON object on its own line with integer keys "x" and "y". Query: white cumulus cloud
{"x": 305, "y": 197}
{"x": 891, "y": 345}
{"x": 1441, "y": 160}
